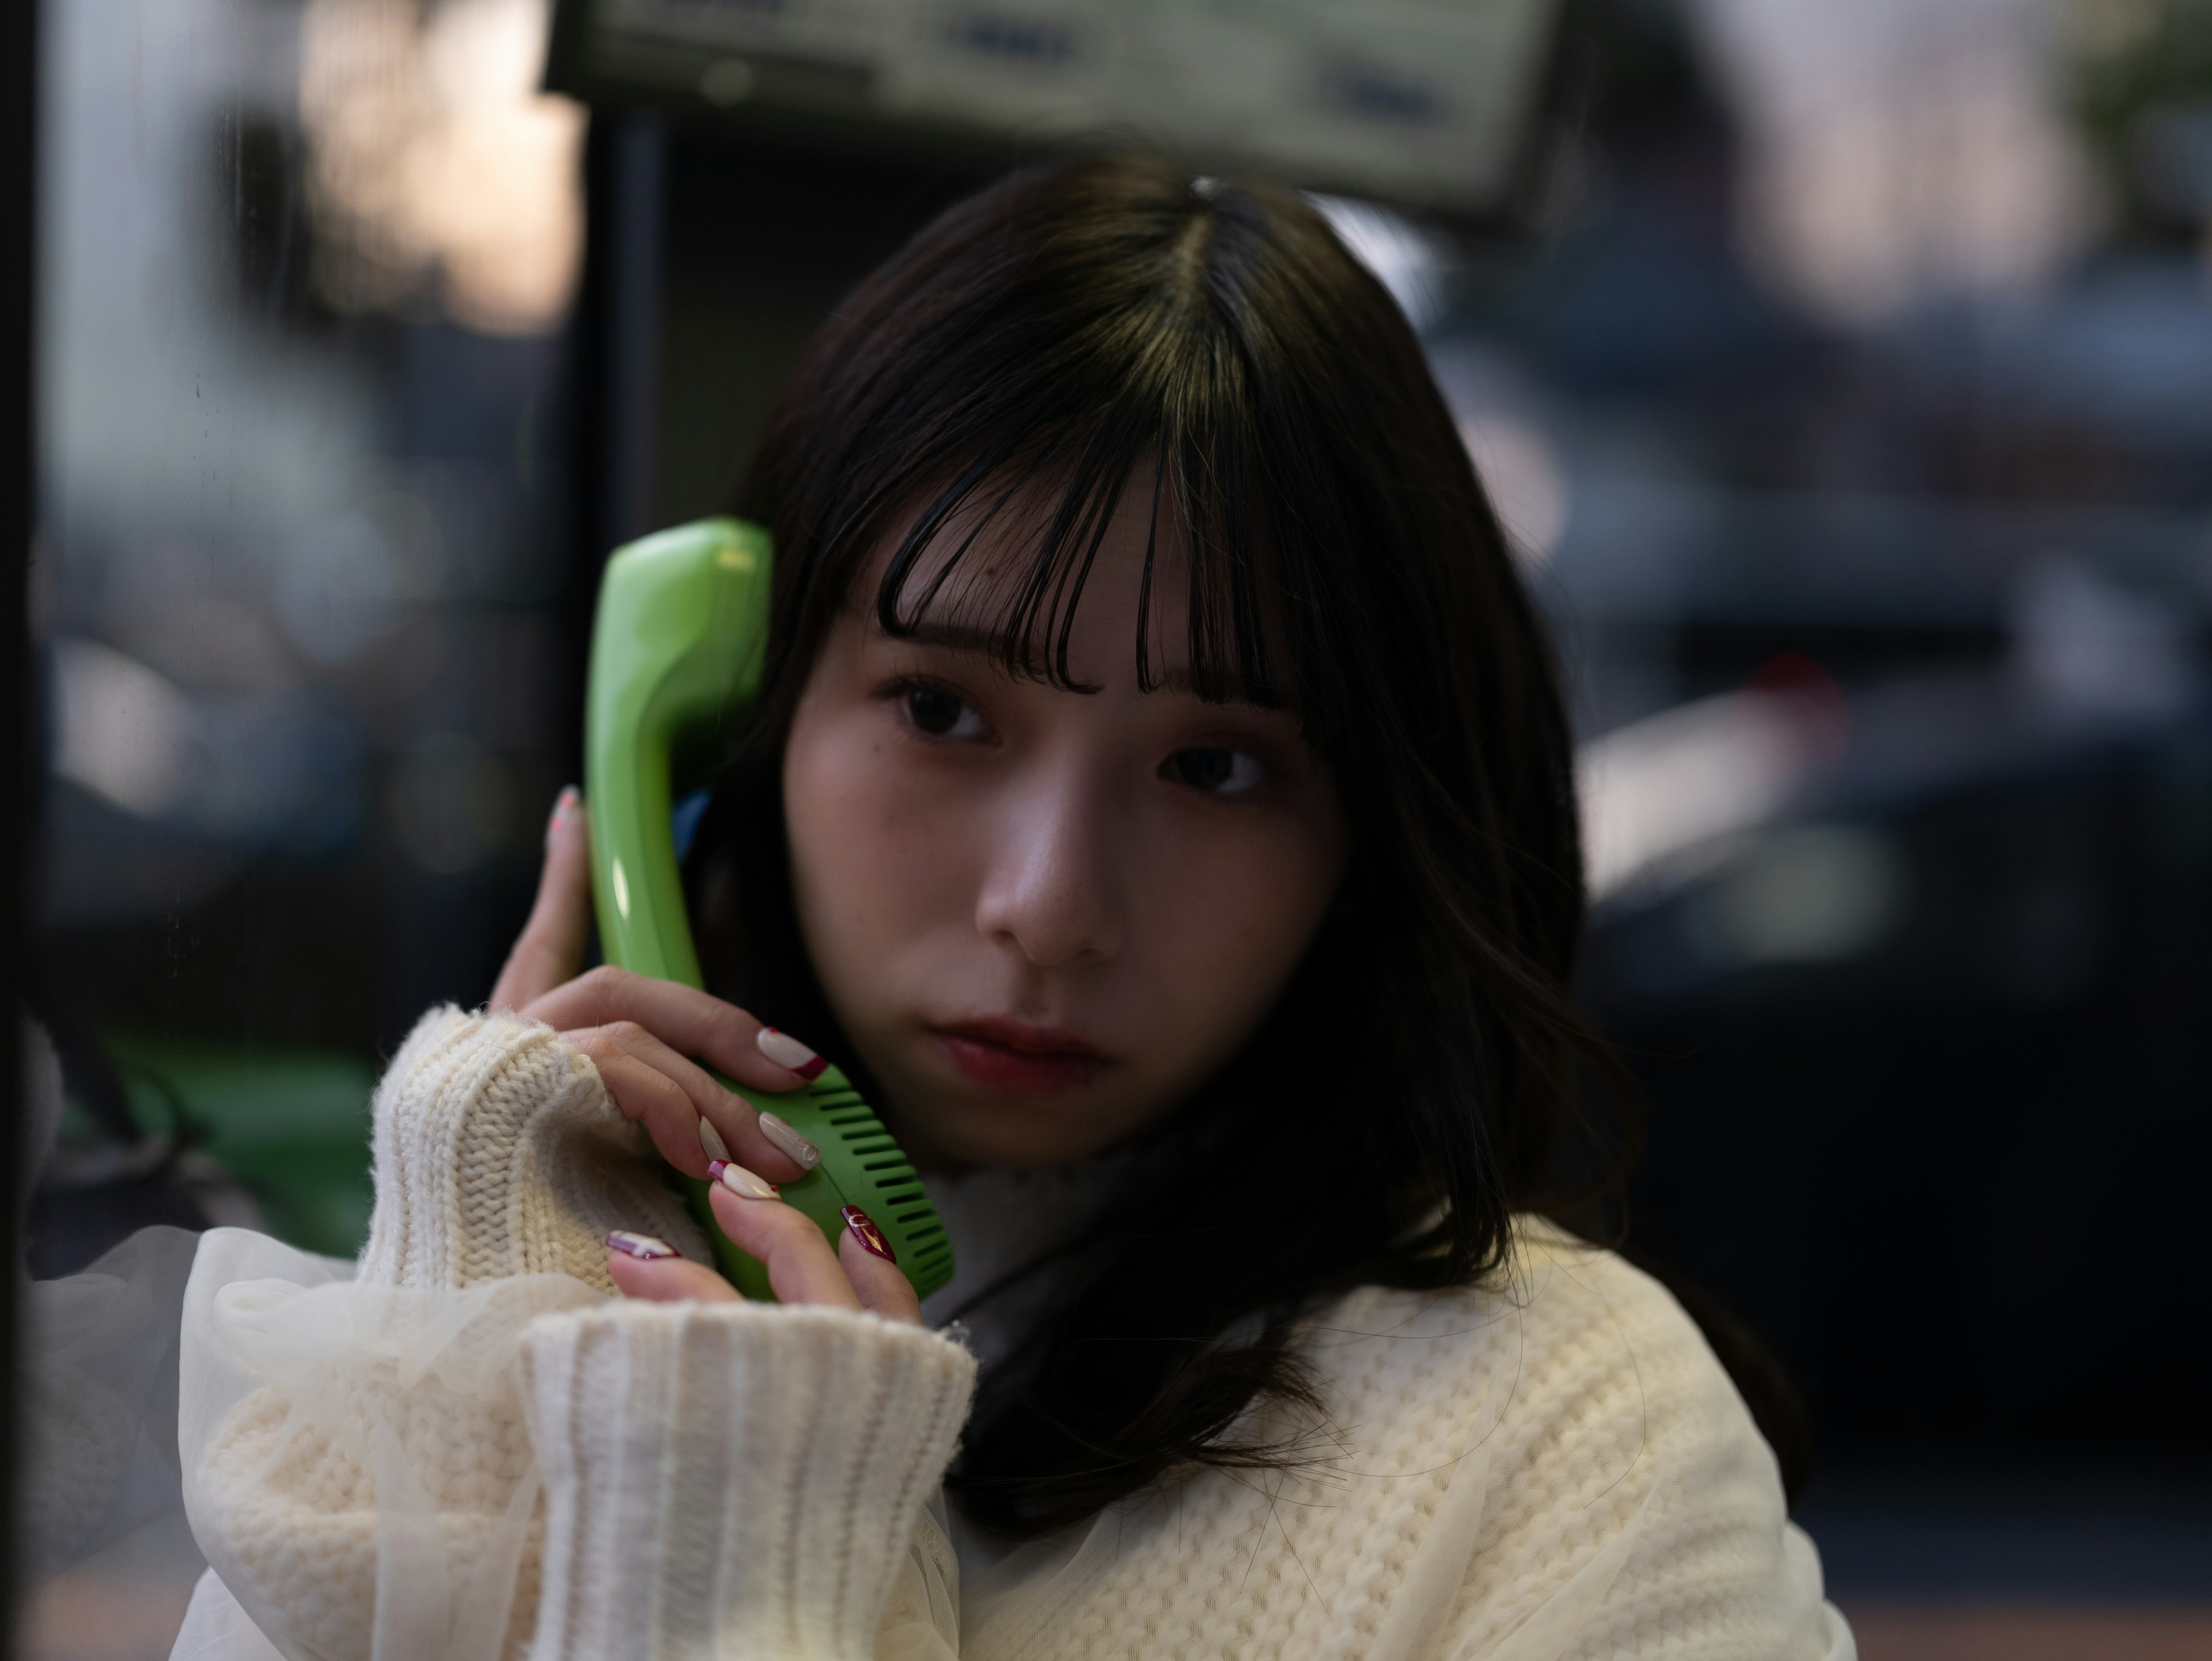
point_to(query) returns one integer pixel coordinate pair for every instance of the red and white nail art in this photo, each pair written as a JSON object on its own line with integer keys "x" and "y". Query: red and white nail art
{"x": 741, "y": 1182}
{"x": 786, "y": 1051}
{"x": 643, "y": 1247}
{"x": 865, "y": 1232}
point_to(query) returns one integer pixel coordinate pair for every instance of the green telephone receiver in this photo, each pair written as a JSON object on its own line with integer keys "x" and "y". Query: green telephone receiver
{"x": 676, "y": 658}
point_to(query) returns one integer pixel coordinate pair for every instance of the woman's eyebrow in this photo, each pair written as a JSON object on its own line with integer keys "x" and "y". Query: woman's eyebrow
{"x": 950, "y": 637}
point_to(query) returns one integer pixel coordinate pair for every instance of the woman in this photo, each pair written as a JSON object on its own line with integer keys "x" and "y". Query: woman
{"x": 1160, "y": 802}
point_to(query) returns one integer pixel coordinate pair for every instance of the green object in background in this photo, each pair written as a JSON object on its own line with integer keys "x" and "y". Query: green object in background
{"x": 291, "y": 1125}
{"x": 675, "y": 659}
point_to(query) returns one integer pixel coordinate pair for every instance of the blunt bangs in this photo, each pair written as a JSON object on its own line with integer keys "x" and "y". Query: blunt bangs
{"x": 1049, "y": 389}
{"x": 1061, "y": 500}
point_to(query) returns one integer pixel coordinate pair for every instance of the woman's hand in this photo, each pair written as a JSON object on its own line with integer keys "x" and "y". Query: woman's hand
{"x": 802, "y": 1266}
{"x": 640, "y": 1034}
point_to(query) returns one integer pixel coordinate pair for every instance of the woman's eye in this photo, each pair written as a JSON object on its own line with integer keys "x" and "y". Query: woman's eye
{"x": 940, "y": 714}
{"x": 1217, "y": 771}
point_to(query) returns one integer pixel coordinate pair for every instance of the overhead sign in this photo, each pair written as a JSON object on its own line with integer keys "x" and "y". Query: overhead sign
{"x": 1428, "y": 102}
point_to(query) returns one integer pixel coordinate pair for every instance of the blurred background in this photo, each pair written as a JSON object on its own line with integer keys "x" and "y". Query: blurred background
{"x": 1843, "y": 373}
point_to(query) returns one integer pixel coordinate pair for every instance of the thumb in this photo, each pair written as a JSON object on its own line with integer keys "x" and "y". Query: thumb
{"x": 550, "y": 948}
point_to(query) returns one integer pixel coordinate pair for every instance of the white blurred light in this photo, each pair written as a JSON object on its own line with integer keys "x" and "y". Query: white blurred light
{"x": 433, "y": 151}
{"x": 1900, "y": 149}
{"x": 124, "y": 732}
{"x": 1686, "y": 778}
{"x": 1527, "y": 485}
{"x": 1810, "y": 894}
{"x": 1405, "y": 258}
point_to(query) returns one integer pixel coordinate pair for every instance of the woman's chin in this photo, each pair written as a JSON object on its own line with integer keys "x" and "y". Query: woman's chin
{"x": 950, "y": 1131}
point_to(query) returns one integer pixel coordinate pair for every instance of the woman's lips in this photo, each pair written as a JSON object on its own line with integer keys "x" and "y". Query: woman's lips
{"x": 1010, "y": 1055}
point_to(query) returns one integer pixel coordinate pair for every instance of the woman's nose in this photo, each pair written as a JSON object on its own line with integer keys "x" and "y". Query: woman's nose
{"x": 1051, "y": 889}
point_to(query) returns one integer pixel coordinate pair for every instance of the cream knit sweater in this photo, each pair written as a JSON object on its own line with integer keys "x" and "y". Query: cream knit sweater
{"x": 1553, "y": 1468}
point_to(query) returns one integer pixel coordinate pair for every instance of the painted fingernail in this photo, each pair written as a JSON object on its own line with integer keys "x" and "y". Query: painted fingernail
{"x": 786, "y": 1051}
{"x": 643, "y": 1247}
{"x": 564, "y": 808}
{"x": 789, "y": 1141}
{"x": 865, "y": 1232}
{"x": 740, "y": 1181}
{"x": 711, "y": 1139}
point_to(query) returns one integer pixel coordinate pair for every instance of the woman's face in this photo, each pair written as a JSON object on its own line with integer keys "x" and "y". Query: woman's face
{"x": 1043, "y": 917}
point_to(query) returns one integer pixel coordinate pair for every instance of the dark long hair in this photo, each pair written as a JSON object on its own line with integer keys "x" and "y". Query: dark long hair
{"x": 1066, "y": 331}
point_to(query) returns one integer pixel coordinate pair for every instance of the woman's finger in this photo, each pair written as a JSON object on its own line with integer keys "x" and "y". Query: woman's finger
{"x": 861, "y": 1273}
{"x": 800, "y": 1265}
{"x": 550, "y": 948}
{"x": 733, "y": 1131}
{"x": 644, "y": 1092}
{"x": 649, "y": 1270}
{"x": 693, "y": 1022}
{"x": 872, "y": 1267}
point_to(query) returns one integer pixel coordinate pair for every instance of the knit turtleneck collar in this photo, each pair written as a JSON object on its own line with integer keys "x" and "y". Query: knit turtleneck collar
{"x": 999, "y": 1221}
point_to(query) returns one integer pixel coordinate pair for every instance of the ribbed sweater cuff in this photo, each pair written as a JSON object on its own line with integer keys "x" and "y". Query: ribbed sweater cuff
{"x": 734, "y": 1479}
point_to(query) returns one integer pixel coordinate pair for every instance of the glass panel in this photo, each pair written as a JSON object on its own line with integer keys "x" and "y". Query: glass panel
{"x": 308, "y": 610}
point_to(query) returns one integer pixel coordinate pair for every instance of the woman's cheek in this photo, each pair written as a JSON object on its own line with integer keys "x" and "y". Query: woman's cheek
{"x": 838, "y": 819}
{"x": 1234, "y": 931}
{"x": 872, "y": 839}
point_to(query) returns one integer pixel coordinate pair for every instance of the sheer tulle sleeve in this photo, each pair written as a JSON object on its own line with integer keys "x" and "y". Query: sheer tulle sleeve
{"x": 467, "y": 1449}
{"x": 99, "y": 1383}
